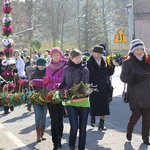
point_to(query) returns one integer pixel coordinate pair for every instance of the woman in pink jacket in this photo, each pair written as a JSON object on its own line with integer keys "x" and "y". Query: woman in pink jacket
{"x": 54, "y": 76}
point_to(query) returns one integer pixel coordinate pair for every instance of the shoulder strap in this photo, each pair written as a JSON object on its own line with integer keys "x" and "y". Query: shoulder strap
{"x": 58, "y": 69}
{"x": 125, "y": 86}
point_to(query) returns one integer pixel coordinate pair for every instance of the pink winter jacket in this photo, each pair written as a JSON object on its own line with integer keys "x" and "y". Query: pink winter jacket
{"x": 54, "y": 75}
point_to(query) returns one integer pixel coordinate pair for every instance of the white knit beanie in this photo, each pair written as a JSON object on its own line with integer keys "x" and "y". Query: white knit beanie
{"x": 136, "y": 43}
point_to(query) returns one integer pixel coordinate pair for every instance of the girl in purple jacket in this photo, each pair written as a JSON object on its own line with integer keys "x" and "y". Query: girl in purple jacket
{"x": 53, "y": 77}
{"x": 74, "y": 73}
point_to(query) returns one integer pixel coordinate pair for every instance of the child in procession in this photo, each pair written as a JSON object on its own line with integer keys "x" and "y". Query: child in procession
{"x": 78, "y": 111}
{"x": 52, "y": 78}
{"x": 40, "y": 110}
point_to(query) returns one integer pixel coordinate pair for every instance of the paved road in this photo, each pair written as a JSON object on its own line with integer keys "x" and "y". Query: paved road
{"x": 17, "y": 128}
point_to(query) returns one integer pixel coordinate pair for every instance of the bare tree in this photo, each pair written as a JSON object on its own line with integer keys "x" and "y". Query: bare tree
{"x": 56, "y": 18}
{"x": 96, "y": 22}
{"x": 25, "y": 21}
{"x": 75, "y": 23}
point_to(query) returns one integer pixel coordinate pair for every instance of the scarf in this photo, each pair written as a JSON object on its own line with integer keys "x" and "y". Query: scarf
{"x": 72, "y": 64}
{"x": 56, "y": 65}
{"x": 140, "y": 57}
{"x": 40, "y": 72}
{"x": 141, "y": 62}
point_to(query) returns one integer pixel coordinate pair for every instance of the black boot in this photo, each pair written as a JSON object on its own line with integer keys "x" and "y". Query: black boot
{"x": 55, "y": 139}
{"x": 101, "y": 125}
{"x": 129, "y": 136}
{"x": 72, "y": 148}
{"x": 28, "y": 107}
{"x": 59, "y": 142}
{"x": 146, "y": 141}
{"x": 6, "y": 109}
{"x": 12, "y": 108}
{"x": 93, "y": 121}
{"x": 55, "y": 148}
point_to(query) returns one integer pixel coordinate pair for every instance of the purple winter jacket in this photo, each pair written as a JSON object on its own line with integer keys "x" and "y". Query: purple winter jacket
{"x": 73, "y": 74}
{"x": 54, "y": 74}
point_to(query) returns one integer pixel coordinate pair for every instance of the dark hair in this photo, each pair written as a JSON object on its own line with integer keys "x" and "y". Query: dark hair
{"x": 66, "y": 54}
{"x": 75, "y": 53}
{"x": 1, "y": 53}
{"x": 28, "y": 57}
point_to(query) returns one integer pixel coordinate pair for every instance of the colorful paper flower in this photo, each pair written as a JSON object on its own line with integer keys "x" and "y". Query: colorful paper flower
{"x": 7, "y": 9}
{"x": 8, "y": 42}
{"x": 115, "y": 59}
{"x": 7, "y": 2}
{"x": 6, "y": 20}
{"x": 7, "y": 62}
{"x": 7, "y": 29}
{"x": 8, "y": 73}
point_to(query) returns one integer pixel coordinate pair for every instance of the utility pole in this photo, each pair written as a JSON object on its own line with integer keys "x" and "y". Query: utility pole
{"x": 129, "y": 10}
{"x": 86, "y": 26}
{"x": 78, "y": 17}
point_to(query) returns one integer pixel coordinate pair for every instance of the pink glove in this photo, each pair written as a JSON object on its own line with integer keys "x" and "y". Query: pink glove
{"x": 46, "y": 80}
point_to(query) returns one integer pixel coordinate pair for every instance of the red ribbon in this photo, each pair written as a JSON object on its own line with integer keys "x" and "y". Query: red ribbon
{"x": 22, "y": 81}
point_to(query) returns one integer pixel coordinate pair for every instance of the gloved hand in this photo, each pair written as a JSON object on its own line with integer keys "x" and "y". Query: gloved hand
{"x": 31, "y": 83}
{"x": 46, "y": 79}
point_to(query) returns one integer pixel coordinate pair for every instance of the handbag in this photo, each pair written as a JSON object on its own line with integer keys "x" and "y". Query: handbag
{"x": 125, "y": 96}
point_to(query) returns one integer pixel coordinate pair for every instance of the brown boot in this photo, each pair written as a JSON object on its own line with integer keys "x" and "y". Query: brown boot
{"x": 38, "y": 132}
{"x": 42, "y": 133}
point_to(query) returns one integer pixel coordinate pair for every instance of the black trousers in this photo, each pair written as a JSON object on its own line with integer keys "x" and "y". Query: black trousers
{"x": 136, "y": 114}
{"x": 56, "y": 114}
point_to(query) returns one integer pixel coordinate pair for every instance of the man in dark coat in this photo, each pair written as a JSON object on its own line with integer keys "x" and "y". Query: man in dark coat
{"x": 99, "y": 73}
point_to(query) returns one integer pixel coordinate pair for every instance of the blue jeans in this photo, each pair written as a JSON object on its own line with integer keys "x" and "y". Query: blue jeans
{"x": 40, "y": 115}
{"x": 78, "y": 117}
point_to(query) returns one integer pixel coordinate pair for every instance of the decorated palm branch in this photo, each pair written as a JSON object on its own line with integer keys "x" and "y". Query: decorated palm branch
{"x": 115, "y": 59}
{"x": 77, "y": 91}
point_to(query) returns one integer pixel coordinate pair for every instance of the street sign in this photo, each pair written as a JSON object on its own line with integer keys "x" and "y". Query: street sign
{"x": 120, "y": 37}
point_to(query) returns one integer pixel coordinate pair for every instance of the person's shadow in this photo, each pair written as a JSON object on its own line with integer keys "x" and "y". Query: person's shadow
{"x": 33, "y": 145}
{"x": 24, "y": 115}
{"x": 97, "y": 136}
{"x": 128, "y": 146}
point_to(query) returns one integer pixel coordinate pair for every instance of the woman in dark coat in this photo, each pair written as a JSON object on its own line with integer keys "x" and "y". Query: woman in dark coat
{"x": 136, "y": 73}
{"x": 99, "y": 74}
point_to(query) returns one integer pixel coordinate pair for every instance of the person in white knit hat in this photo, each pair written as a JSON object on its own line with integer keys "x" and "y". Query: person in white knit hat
{"x": 135, "y": 44}
{"x": 136, "y": 73}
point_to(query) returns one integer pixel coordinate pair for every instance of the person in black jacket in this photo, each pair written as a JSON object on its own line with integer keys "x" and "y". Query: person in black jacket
{"x": 99, "y": 73}
{"x": 136, "y": 74}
